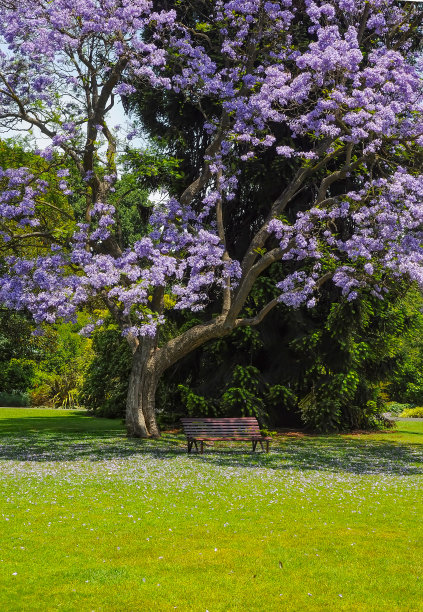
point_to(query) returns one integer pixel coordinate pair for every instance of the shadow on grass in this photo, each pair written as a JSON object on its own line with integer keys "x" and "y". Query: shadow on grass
{"x": 330, "y": 455}
{"x": 75, "y": 436}
{"x": 78, "y": 437}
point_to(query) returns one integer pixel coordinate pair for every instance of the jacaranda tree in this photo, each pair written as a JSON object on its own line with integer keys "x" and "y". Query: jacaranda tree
{"x": 347, "y": 97}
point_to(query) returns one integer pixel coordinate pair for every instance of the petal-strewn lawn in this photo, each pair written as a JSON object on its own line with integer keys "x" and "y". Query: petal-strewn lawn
{"x": 90, "y": 520}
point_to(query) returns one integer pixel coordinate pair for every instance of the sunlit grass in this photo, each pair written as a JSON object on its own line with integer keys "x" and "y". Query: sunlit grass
{"x": 90, "y": 520}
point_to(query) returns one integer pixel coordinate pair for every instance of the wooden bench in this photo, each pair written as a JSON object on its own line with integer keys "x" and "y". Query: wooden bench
{"x": 241, "y": 429}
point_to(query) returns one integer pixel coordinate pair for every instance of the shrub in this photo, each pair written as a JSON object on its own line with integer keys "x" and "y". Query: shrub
{"x": 397, "y": 408}
{"x": 16, "y": 376}
{"x": 105, "y": 383}
{"x": 414, "y": 392}
{"x": 65, "y": 389}
{"x": 14, "y": 400}
{"x": 56, "y": 390}
{"x": 413, "y": 413}
{"x": 41, "y": 395}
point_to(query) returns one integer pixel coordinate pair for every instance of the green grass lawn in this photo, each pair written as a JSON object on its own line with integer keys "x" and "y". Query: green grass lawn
{"x": 90, "y": 520}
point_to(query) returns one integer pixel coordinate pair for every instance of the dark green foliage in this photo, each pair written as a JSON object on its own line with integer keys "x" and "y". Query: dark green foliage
{"x": 106, "y": 380}
{"x": 322, "y": 368}
{"x": 228, "y": 377}
{"x": 17, "y": 356}
{"x": 17, "y": 375}
{"x": 334, "y": 393}
{"x": 406, "y": 382}
{"x": 14, "y": 400}
{"x": 132, "y": 206}
{"x": 15, "y": 336}
{"x": 244, "y": 393}
{"x": 345, "y": 358}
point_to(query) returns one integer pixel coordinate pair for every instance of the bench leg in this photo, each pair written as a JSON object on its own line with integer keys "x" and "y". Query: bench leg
{"x": 201, "y": 447}
{"x": 192, "y": 443}
{"x": 254, "y": 444}
{"x": 267, "y": 446}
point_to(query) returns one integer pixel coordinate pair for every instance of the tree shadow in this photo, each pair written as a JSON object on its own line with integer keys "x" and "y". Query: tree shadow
{"x": 74, "y": 437}
{"x": 57, "y": 439}
{"x": 68, "y": 446}
{"x": 329, "y": 455}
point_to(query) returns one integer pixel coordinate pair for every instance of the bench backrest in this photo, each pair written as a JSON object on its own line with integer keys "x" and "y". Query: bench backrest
{"x": 245, "y": 427}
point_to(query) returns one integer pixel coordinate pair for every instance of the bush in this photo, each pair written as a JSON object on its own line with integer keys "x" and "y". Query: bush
{"x": 105, "y": 384}
{"x": 414, "y": 392}
{"x": 397, "y": 408}
{"x": 41, "y": 395}
{"x": 413, "y": 413}
{"x": 56, "y": 390}
{"x": 14, "y": 400}
{"x": 16, "y": 376}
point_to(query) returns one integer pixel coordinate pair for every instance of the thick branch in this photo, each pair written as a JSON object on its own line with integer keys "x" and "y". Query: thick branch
{"x": 339, "y": 175}
{"x": 282, "y": 201}
{"x": 184, "y": 344}
{"x": 248, "y": 281}
{"x": 221, "y": 232}
{"x": 198, "y": 185}
{"x": 259, "y": 317}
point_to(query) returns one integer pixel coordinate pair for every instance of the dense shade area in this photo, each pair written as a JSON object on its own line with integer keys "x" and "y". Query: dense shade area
{"x": 91, "y": 520}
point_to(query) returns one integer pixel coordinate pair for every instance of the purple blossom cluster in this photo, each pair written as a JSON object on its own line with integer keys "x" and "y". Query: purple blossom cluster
{"x": 386, "y": 217}
{"x": 38, "y": 40}
{"x": 18, "y": 194}
{"x": 180, "y": 255}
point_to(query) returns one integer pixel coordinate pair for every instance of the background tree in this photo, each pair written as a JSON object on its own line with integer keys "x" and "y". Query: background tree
{"x": 105, "y": 385}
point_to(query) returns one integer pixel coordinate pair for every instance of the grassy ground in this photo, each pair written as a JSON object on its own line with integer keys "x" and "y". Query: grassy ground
{"x": 92, "y": 521}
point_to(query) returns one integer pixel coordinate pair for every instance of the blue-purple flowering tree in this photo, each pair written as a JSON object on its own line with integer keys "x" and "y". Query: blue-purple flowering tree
{"x": 349, "y": 96}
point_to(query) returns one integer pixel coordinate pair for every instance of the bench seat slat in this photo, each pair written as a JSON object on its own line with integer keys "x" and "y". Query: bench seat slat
{"x": 241, "y": 439}
{"x": 223, "y": 434}
{"x": 224, "y": 427}
{"x": 211, "y": 432}
{"x": 220, "y": 419}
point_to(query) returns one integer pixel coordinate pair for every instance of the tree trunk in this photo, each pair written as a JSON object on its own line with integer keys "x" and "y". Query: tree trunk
{"x": 148, "y": 364}
{"x": 140, "y": 401}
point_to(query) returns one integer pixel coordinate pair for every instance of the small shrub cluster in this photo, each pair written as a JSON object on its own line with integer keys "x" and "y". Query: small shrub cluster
{"x": 14, "y": 400}
{"x": 397, "y": 408}
{"x": 413, "y": 413}
{"x": 56, "y": 390}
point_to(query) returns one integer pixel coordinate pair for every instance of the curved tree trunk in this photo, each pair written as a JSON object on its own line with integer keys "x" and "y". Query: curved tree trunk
{"x": 148, "y": 364}
{"x": 140, "y": 401}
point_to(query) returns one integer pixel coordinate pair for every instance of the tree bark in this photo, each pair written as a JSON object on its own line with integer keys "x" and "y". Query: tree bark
{"x": 148, "y": 365}
{"x": 140, "y": 401}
